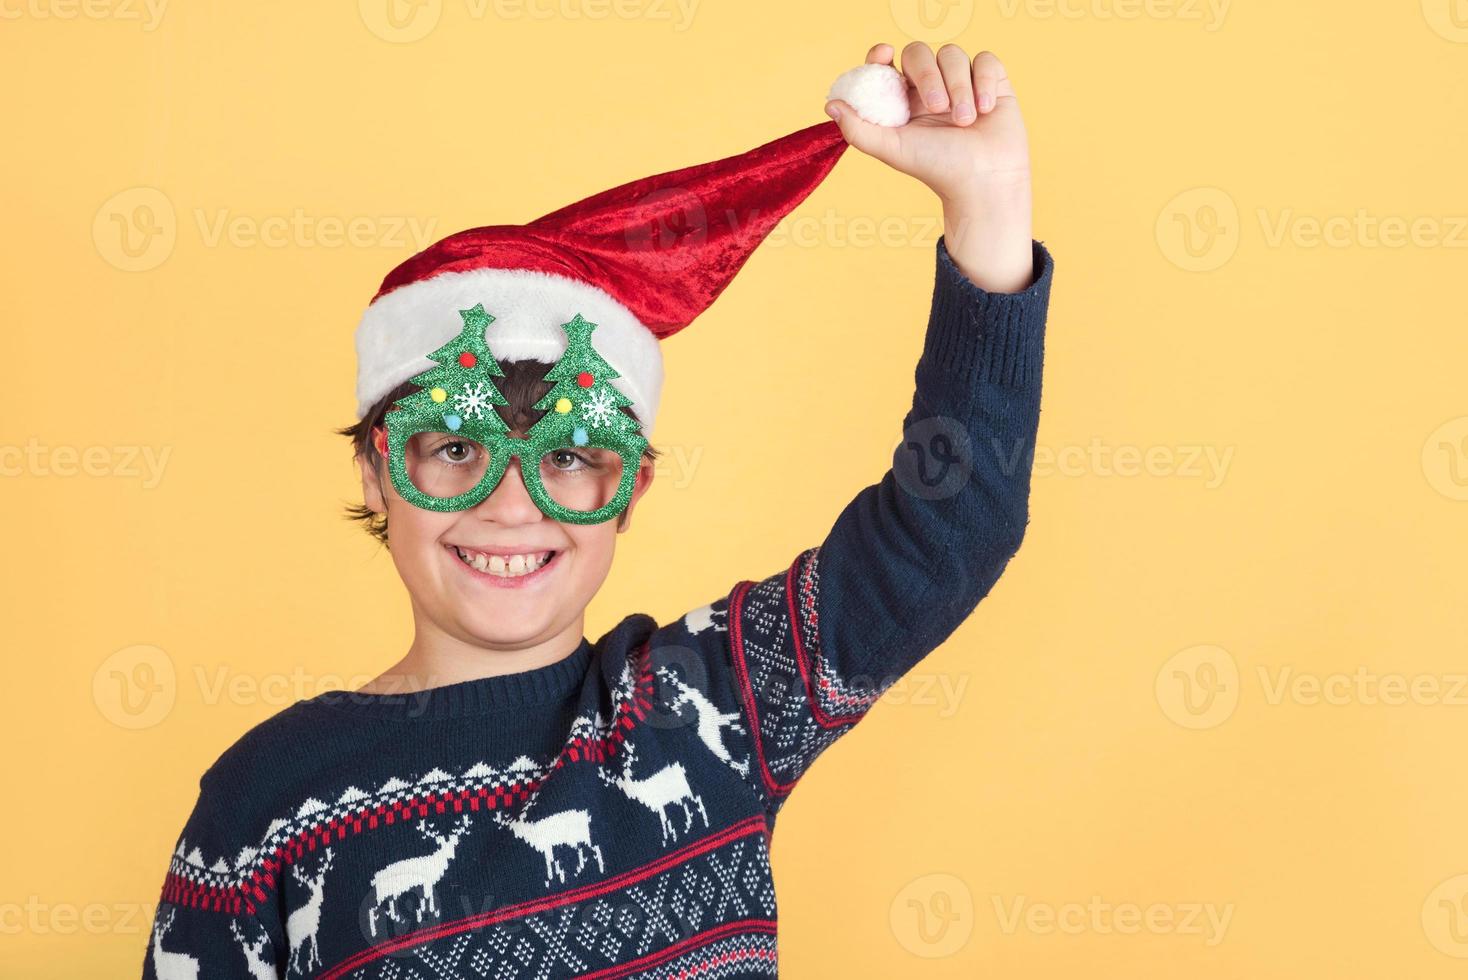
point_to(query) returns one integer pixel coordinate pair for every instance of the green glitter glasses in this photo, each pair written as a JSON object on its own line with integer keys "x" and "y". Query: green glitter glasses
{"x": 447, "y": 448}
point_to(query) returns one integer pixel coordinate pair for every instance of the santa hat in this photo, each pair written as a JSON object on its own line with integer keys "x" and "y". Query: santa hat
{"x": 641, "y": 261}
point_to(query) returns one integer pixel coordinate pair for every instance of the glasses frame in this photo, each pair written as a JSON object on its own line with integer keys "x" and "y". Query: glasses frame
{"x": 502, "y": 448}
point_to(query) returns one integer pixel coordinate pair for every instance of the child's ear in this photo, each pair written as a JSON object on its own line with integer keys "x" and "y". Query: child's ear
{"x": 639, "y": 487}
{"x": 371, "y": 466}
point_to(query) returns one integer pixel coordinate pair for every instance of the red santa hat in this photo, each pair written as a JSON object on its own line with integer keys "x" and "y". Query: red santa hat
{"x": 641, "y": 261}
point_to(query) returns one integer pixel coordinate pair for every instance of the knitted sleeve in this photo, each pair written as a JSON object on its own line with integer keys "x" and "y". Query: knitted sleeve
{"x": 809, "y": 649}
{"x": 207, "y": 925}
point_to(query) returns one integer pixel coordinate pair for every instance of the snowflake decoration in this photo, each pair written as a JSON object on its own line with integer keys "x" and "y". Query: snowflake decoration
{"x": 474, "y": 401}
{"x": 599, "y": 409}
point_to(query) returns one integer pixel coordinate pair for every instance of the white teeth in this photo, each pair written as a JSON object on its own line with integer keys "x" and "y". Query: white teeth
{"x": 504, "y": 566}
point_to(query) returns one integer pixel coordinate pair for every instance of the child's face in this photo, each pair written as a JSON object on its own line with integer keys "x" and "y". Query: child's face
{"x": 507, "y": 533}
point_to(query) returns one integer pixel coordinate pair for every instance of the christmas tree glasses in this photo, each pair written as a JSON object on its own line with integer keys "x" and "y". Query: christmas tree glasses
{"x": 447, "y": 448}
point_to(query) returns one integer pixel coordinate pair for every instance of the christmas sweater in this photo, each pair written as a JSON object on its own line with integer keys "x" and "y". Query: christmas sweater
{"x": 609, "y": 815}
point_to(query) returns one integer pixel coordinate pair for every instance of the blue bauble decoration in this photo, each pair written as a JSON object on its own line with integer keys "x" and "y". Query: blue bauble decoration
{"x": 579, "y": 436}
{"x": 453, "y": 422}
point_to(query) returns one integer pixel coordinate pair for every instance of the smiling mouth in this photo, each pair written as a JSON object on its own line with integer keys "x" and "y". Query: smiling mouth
{"x": 504, "y": 566}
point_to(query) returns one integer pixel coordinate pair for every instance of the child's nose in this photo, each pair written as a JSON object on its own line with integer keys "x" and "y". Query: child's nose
{"x": 510, "y": 502}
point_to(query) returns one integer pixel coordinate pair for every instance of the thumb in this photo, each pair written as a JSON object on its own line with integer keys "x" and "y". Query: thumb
{"x": 874, "y": 140}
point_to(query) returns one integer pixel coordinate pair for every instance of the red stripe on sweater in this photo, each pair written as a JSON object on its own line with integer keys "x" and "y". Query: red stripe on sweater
{"x": 744, "y": 828}
{"x": 694, "y": 942}
{"x": 792, "y": 590}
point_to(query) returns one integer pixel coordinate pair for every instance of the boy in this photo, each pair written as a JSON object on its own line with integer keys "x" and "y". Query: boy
{"x": 511, "y": 800}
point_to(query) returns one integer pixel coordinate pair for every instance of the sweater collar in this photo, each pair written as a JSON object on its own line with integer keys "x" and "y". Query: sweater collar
{"x": 539, "y": 685}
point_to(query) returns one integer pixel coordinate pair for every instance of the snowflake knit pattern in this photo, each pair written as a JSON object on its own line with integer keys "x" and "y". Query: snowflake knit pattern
{"x": 609, "y": 815}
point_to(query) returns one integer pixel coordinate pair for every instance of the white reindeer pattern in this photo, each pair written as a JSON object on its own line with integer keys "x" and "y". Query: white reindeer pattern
{"x": 569, "y": 828}
{"x": 422, "y": 873}
{"x": 664, "y": 788}
{"x": 304, "y": 923}
{"x": 704, "y": 617}
{"x": 171, "y": 966}
{"x": 259, "y": 969}
{"x": 711, "y": 721}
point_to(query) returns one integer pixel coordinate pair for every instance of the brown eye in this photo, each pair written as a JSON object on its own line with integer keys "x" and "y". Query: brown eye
{"x": 456, "y": 452}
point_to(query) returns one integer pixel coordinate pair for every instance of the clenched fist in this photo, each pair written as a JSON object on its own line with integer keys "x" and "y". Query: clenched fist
{"x": 966, "y": 141}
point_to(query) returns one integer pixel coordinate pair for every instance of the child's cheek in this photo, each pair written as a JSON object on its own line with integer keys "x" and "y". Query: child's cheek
{"x": 594, "y": 547}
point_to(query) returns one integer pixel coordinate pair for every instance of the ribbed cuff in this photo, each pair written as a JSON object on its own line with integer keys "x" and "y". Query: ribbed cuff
{"x": 995, "y": 338}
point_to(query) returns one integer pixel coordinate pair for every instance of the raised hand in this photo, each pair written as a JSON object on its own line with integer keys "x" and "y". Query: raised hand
{"x": 966, "y": 141}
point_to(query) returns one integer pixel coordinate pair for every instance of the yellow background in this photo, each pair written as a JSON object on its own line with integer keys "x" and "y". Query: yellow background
{"x": 1113, "y": 728}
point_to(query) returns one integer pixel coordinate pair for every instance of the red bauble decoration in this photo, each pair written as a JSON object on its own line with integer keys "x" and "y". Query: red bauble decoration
{"x": 467, "y": 359}
{"x": 584, "y": 379}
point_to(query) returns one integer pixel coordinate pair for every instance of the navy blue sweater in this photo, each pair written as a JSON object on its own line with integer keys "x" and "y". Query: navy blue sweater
{"x": 609, "y": 815}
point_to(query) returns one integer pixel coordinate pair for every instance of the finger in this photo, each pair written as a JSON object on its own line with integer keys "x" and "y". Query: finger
{"x": 990, "y": 80}
{"x": 958, "y": 76}
{"x": 878, "y": 141}
{"x": 880, "y": 54}
{"x": 921, "y": 69}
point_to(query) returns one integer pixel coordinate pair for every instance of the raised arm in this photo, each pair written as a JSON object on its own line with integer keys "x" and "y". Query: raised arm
{"x": 803, "y": 654}
{"x": 811, "y": 648}
{"x": 910, "y": 557}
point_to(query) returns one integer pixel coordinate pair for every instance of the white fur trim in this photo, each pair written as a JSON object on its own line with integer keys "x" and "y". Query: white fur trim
{"x": 399, "y": 330}
{"x": 878, "y": 93}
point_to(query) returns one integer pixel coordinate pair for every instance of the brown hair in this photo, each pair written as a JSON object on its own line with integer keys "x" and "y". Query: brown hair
{"x": 523, "y": 385}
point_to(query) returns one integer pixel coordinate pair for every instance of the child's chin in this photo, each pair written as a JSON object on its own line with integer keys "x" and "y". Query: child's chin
{"x": 510, "y": 628}
{"x": 508, "y": 621}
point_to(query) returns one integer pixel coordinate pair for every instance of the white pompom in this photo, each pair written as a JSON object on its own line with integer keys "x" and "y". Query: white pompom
{"x": 878, "y": 93}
